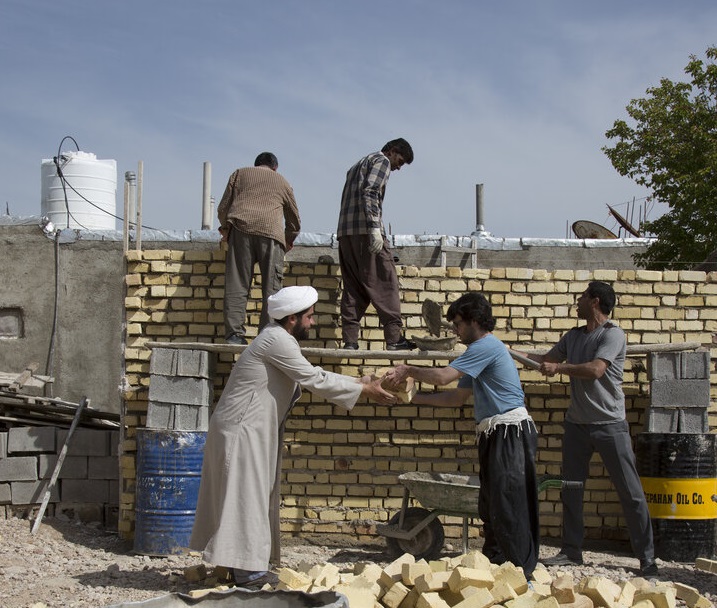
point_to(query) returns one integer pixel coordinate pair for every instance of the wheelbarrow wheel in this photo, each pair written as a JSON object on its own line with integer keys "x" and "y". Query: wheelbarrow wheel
{"x": 427, "y": 544}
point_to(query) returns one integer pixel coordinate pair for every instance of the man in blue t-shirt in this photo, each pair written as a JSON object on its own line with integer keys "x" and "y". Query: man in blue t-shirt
{"x": 507, "y": 437}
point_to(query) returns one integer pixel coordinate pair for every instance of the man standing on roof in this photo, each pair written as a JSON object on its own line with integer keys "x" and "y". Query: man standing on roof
{"x": 367, "y": 266}
{"x": 259, "y": 219}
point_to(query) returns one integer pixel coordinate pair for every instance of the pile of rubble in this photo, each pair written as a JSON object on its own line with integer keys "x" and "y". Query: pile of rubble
{"x": 468, "y": 581}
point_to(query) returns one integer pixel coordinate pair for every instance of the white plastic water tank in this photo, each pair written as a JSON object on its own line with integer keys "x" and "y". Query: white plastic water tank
{"x": 86, "y": 179}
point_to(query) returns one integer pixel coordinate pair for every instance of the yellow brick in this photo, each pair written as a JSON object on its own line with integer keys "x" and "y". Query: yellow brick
{"x": 395, "y": 595}
{"x": 463, "y": 577}
{"x": 430, "y": 600}
{"x": 563, "y": 589}
{"x": 410, "y": 572}
{"x": 661, "y": 597}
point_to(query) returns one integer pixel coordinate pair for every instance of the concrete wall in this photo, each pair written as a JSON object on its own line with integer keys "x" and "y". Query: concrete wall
{"x": 340, "y": 469}
{"x": 86, "y": 355}
{"x": 87, "y": 487}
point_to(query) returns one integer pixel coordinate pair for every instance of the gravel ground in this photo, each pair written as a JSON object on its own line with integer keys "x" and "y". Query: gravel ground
{"x": 73, "y": 565}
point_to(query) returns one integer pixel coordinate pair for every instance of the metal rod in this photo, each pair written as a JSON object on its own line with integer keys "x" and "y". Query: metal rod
{"x": 480, "y": 226}
{"x": 140, "y": 180}
{"x": 206, "y": 197}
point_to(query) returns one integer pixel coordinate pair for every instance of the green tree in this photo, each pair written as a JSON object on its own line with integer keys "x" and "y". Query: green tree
{"x": 672, "y": 150}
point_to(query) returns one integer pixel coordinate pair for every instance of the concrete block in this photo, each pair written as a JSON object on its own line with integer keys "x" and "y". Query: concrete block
{"x": 85, "y": 490}
{"x": 85, "y": 442}
{"x": 695, "y": 365}
{"x": 179, "y": 362}
{"x": 160, "y": 415}
{"x": 31, "y": 439}
{"x": 5, "y": 494}
{"x": 74, "y": 467}
{"x": 106, "y": 467}
{"x": 661, "y": 419}
{"x": 177, "y": 416}
{"x": 685, "y": 393}
{"x": 18, "y": 468}
{"x": 3, "y": 444}
{"x": 114, "y": 443}
{"x": 31, "y": 492}
{"x": 187, "y": 391}
{"x": 663, "y": 366}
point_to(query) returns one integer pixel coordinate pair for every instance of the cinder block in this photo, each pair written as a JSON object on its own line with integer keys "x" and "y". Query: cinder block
{"x": 31, "y": 492}
{"x": 114, "y": 443}
{"x": 3, "y": 445}
{"x": 661, "y": 419}
{"x": 693, "y": 420}
{"x": 5, "y": 494}
{"x": 74, "y": 467}
{"x": 187, "y": 391}
{"x": 85, "y": 442}
{"x": 103, "y": 468}
{"x": 178, "y": 362}
{"x": 177, "y": 416}
{"x": 191, "y": 417}
{"x": 160, "y": 415}
{"x": 85, "y": 490}
{"x": 31, "y": 439}
{"x": 663, "y": 366}
{"x": 695, "y": 365}
{"x": 18, "y": 468}
{"x": 684, "y": 393}
{"x": 678, "y": 365}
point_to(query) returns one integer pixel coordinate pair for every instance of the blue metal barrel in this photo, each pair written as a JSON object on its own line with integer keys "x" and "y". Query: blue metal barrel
{"x": 169, "y": 469}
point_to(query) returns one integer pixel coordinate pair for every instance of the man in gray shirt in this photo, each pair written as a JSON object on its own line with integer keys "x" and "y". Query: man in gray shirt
{"x": 593, "y": 356}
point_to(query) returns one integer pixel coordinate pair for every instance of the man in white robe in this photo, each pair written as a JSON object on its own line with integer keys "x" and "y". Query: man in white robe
{"x": 237, "y": 517}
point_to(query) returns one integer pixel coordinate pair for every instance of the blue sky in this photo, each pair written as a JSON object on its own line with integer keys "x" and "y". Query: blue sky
{"x": 516, "y": 95}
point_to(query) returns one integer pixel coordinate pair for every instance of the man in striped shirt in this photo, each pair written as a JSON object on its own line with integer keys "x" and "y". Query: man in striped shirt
{"x": 259, "y": 219}
{"x": 367, "y": 266}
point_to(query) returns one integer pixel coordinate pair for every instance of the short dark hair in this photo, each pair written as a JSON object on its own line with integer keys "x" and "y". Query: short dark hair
{"x": 267, "y": 159}
{"x": 284, "y": 320}
{"x": 401, "y": 146}
{"x": 473, "y": 306}
{"x": 605, "y": 293}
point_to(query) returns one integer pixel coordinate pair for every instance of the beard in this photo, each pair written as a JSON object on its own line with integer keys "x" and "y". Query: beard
{"x": 300, "y": 333}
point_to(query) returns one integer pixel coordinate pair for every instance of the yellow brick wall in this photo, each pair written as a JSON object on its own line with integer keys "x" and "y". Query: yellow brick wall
{"x": 340, "y": 468}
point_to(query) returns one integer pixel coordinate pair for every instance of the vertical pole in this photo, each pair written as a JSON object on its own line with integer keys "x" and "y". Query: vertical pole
{"x": 480, "y": 227}
{"x": 140, "y": 179}
{"x": 125, "y": 225}
{"x": 206, "y": 196}
{"x": 130, "y": 179}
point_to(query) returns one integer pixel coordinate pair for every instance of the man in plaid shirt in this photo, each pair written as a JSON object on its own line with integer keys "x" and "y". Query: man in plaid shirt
{"x": 367, "y": 266}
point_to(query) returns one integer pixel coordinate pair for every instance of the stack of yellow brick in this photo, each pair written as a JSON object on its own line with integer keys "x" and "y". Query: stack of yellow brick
{"x": 471, "y": 581}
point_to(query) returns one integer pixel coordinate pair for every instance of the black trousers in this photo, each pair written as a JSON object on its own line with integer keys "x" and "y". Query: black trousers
{"x": 508, "y": 498}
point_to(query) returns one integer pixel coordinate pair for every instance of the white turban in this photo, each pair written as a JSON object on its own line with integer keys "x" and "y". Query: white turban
{"x": 290, "y": 300}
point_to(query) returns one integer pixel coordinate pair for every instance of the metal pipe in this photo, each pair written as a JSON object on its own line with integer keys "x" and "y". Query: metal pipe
{"x": 125, "y": 223}
{"x": 140, "y": 180}
{"x": 480, "y": 227}
{"x": 130, "y": 180}
{"x": 206, "y": 197}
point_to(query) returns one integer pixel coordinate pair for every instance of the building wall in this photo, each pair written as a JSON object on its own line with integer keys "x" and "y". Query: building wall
{"x": 340, "y": 469}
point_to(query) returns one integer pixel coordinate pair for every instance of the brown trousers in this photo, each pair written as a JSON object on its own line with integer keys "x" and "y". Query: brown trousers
{"x": 368, "y": 279}
{"x": 245, "y": 250}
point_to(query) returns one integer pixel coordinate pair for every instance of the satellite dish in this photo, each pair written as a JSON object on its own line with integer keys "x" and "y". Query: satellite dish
{"x": 624, "y": 223}
{"x": 585, "y": 229}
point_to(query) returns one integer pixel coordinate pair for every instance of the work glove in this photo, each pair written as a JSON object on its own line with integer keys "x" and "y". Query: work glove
{"x": 375, "y": 240}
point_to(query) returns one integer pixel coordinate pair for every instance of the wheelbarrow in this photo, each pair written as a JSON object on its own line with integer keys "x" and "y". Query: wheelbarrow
{"x": 418, "y": 531}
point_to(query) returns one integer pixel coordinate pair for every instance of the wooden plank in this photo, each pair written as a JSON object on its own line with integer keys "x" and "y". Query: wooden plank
{"x": 24, "y": 376}
{"x": 60, "y": 460}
